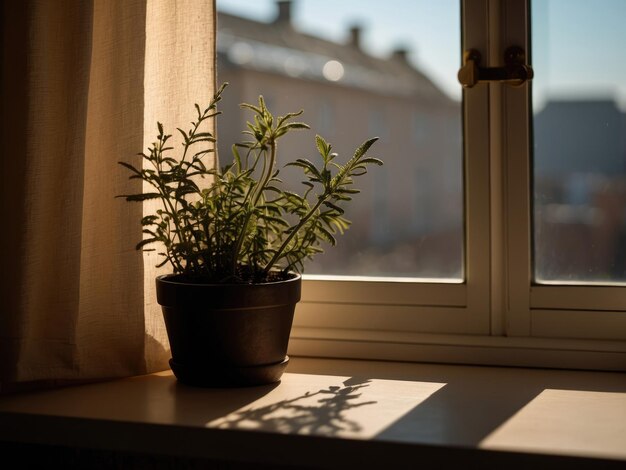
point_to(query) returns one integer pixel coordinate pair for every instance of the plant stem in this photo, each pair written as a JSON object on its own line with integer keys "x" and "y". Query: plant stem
{"x": 268, "y": 173}
{"x": 293, "y": 233}
{"x": 269, "y": 170}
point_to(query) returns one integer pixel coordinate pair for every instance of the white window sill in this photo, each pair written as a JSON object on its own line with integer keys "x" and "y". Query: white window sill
{"x": 345, "y": 414}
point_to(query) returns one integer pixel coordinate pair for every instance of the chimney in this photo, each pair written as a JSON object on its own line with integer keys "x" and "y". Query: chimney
{"x": 284, "y": 12}
{"x": 355, "y": 36}
{"x": 400, "y": 54}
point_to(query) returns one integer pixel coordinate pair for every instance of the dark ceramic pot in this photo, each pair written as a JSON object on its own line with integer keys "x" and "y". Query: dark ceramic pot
{"x": 225, "y": 335}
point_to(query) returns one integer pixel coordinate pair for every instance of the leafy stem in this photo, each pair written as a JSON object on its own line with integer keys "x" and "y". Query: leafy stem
{"x": 280, "y": 252}
{"x": 237, "y": 224}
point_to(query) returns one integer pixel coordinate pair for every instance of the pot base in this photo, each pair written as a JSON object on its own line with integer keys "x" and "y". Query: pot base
{"x": 229, "y": 376}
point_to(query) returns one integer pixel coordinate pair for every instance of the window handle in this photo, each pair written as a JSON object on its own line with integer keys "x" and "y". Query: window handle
{"x": 515, "y": 72}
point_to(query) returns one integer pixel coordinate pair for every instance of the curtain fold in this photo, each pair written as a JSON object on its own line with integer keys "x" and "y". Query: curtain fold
{"x": 83, "y": 84}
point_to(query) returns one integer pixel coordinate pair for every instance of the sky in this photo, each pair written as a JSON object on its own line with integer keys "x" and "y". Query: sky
{"x": 579, "y": 49}
{"x": 579, "y": 45}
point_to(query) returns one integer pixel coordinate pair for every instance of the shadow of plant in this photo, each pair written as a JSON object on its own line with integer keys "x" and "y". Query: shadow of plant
{"x": 319, "y": 413}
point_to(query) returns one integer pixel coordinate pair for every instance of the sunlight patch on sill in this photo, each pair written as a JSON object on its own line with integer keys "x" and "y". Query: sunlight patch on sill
{"x": 566, "y": 421}
{"x": 330, "y": 406}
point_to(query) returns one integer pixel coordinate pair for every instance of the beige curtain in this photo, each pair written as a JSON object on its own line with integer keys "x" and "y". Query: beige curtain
{"x": 83, "y": 84}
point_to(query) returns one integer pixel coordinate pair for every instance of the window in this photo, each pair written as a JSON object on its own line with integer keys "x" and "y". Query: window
{"x": 325, "y": 122}
{"x": 487, "y": 272}
{"x": 579, "y": 165}
{"x": 421, "y": 122}
{"x": 576, "y": 289}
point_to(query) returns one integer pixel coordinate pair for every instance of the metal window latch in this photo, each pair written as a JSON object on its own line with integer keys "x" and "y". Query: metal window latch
{"x": 515, "y": 72}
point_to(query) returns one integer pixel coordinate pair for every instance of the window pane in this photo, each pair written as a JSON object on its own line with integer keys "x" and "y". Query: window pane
{"x": 579, "y": 99}
{"x": 342, "y": 62}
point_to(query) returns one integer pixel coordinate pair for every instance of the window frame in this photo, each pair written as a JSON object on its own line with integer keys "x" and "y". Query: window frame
{"x": 539, "y": 310}
{"x": 496, "y": 316}
{"x": 423, "y": 305}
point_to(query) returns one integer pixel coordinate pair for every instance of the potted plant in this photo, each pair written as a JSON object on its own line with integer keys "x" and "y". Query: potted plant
{"x": 236, "y": 242}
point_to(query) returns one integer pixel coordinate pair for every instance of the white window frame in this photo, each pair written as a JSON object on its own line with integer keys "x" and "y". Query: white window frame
{"x": 423, "y": 305}
{"x": 497, "y": 315}
{"x": 554, "y": 311}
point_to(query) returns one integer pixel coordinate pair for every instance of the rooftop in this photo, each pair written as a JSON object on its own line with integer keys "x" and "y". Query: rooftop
{"x": 277, "y": 47}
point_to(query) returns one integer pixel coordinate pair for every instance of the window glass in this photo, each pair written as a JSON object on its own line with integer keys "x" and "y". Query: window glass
{"x": 367, "y": 68}
{"x": 579, "y": 99}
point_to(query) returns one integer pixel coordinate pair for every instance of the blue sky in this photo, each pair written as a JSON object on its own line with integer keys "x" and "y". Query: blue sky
{"x": 580, "y": 48}
{"x": 579, "y": 45}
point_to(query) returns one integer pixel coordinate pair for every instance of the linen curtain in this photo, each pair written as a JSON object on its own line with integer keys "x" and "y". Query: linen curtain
{"x": 83, "y": 84}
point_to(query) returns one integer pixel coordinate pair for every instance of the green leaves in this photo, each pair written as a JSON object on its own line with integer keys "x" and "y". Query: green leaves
{"x": 319, "y": 223}
{"x": 237, "y": 224}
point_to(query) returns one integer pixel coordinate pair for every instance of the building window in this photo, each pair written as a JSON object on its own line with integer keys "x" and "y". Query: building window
{"x": 377, "y": 124}
{"x": 420, "y": 122}
{"x": 325, "y": 121}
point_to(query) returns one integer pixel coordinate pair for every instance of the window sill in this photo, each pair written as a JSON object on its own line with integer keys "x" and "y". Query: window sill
{"x": 407, "y": 346}
{"x": 344, "y": 413}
